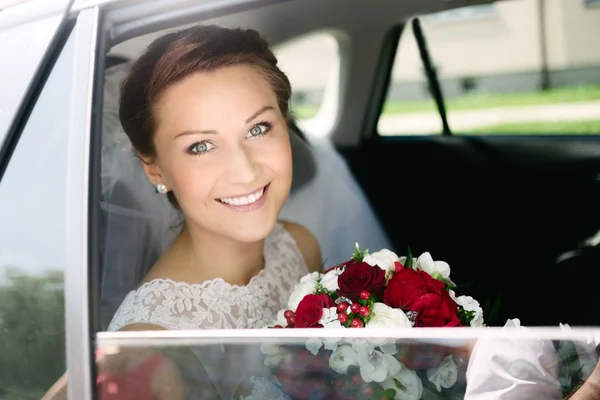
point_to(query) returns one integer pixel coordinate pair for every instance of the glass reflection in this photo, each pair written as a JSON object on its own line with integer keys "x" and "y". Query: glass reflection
{"x": 488, "y": 367}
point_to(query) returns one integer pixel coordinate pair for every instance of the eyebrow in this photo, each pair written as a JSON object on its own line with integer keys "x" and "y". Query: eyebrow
{"x": 214, "y": 132}
{"x": 256, "y": 114}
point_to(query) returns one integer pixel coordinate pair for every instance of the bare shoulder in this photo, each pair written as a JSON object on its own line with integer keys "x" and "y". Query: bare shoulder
{"x": 307, "y": 243}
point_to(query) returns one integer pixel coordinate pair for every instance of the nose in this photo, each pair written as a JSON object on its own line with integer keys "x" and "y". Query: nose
{"x": 243, "y": 168}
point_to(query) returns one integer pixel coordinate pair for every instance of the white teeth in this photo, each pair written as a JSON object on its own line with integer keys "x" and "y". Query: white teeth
{"x": 242, "y": 201}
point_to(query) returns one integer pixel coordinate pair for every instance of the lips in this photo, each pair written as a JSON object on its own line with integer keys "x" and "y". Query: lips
{"x": 244, "y": 200}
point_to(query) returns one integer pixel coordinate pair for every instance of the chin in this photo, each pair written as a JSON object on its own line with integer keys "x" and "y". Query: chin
{"x": 252, "y": 234}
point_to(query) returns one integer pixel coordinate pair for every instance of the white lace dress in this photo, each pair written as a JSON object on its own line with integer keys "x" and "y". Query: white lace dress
{"x": 216, "y": 304}
{"x": 221, "y": 372}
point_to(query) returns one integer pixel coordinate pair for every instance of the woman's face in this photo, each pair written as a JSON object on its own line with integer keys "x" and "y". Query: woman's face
{"x": 223, "y": 148}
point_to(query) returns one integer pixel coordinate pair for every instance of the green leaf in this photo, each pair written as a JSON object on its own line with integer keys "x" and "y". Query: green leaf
{"x": 465, "y": 316}
{"x": 409, "y": 258}
{"x": 398, "y": 384}
{"x": 449, "y": 284}
{"x": 359, "y": 254}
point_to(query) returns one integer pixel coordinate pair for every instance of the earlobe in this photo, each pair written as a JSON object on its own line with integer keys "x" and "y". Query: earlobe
{"x": 152, "y": 170}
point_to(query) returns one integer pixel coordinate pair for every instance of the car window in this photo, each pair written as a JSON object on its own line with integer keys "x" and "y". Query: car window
{"x": 311, "y": 63}
{"x": 507, "y": 68}
{"x": 263, "y": 366}
{"x": 18, "y": 70}
{"x": 33, "y": 219}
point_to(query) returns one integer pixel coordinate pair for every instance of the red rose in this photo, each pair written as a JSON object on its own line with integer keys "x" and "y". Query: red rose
{"x": 359, "y": 277}
{"x": 407, "y": 285}
{"x": 310, "y": 310}
{"x": 436, "y": 311}
{"x": 418, "y": 356}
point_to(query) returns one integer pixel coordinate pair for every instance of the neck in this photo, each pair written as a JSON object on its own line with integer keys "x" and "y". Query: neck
{"x": 210, "y": 256}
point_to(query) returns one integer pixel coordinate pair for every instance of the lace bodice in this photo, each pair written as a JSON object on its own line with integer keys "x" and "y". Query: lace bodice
{"x": 216, "y": 304}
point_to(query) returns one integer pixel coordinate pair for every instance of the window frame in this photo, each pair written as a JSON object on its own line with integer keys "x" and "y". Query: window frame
{"x": 80, "y": 359}
{"x": 75, "y": 40}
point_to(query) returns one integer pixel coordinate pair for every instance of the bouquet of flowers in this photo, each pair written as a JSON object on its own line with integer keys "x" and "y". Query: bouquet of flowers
{"x": 378, "y": 290}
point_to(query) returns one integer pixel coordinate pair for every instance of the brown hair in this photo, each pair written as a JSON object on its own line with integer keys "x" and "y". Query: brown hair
{"x": 175, "y": 56}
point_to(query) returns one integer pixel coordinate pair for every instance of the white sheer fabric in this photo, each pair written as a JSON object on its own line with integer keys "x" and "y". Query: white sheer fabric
{"x": 215, "y": 304}
{"x": 502, "y": 369}
{"x": 334, "y": 208}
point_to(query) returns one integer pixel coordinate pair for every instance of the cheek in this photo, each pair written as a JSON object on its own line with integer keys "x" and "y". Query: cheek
{"x": 190, "y": 180}
{"x": 279, "y": 158}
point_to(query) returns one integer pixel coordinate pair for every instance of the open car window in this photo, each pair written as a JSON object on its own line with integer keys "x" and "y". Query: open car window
{"x": 507, "y": 68}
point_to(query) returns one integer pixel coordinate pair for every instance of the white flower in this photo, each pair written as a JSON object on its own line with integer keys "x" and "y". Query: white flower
{"x": 342, "y": 358}
{"x": 281, "y": 318}
{"x": 273, "y": 353}
{"x": 425, "y": 263}
{"x": 513, "y": 323}
{"x": 386, "y": 317}
{"x": 312, "y": 277}
{"x": 314, "y": 345}
{"x": 376, "y": 366}
{"x": 330, "y": 279}
{"x": 469, "y": 304}
{"x": 329, "y": 318}
{"x": 307, "y": 285}
{"x": 384, "y": 259}
{"x": 444, "y": 376}
{"x": 409, "y": 385}
{"x": 331, "y": 343}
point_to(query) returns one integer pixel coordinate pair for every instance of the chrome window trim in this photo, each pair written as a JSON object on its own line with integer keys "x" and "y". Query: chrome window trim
{"x": 80, "y": 385}
{"x": 436, "y": 335}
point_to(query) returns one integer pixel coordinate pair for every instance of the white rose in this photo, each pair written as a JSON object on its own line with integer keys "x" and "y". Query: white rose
{"x": 410, "y": 388}
{"x": 330, "y": 279}
{"x": 469, "y": 304}
{"x": 388, "y": 317}
{"x": 376, "y": 366}
{"x": 384, "y": 259}
{"x": 444, "y": 376}
{"x": 342, "y": 358}
{"x": 304, "y": 287}
{"x": 425, "y": 263}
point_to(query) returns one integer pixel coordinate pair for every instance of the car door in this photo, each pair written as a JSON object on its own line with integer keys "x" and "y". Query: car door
{"x": 510, "y": 192}
{"x": 43, "y": 211}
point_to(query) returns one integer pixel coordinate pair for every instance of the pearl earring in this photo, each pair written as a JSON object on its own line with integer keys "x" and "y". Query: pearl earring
{"x": 161, "y": 188}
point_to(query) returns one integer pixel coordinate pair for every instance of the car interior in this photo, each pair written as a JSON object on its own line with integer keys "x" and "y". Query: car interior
{"x": 501, "y": 210}
{"x": 386, "y": 154}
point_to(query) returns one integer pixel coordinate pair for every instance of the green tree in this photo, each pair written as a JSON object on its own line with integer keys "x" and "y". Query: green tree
{"x": 32, "y": 333}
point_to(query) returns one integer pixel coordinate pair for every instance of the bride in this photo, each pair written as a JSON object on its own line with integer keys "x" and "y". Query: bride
{"x": 206, "y": 110}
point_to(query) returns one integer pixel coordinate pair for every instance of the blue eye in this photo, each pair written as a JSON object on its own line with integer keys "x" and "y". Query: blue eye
{"x": 258, "y": 130}
{"x": 200, "y": 148}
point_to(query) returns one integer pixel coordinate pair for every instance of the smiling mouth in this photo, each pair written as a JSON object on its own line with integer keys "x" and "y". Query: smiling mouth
{"x": 245, "y": 200}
